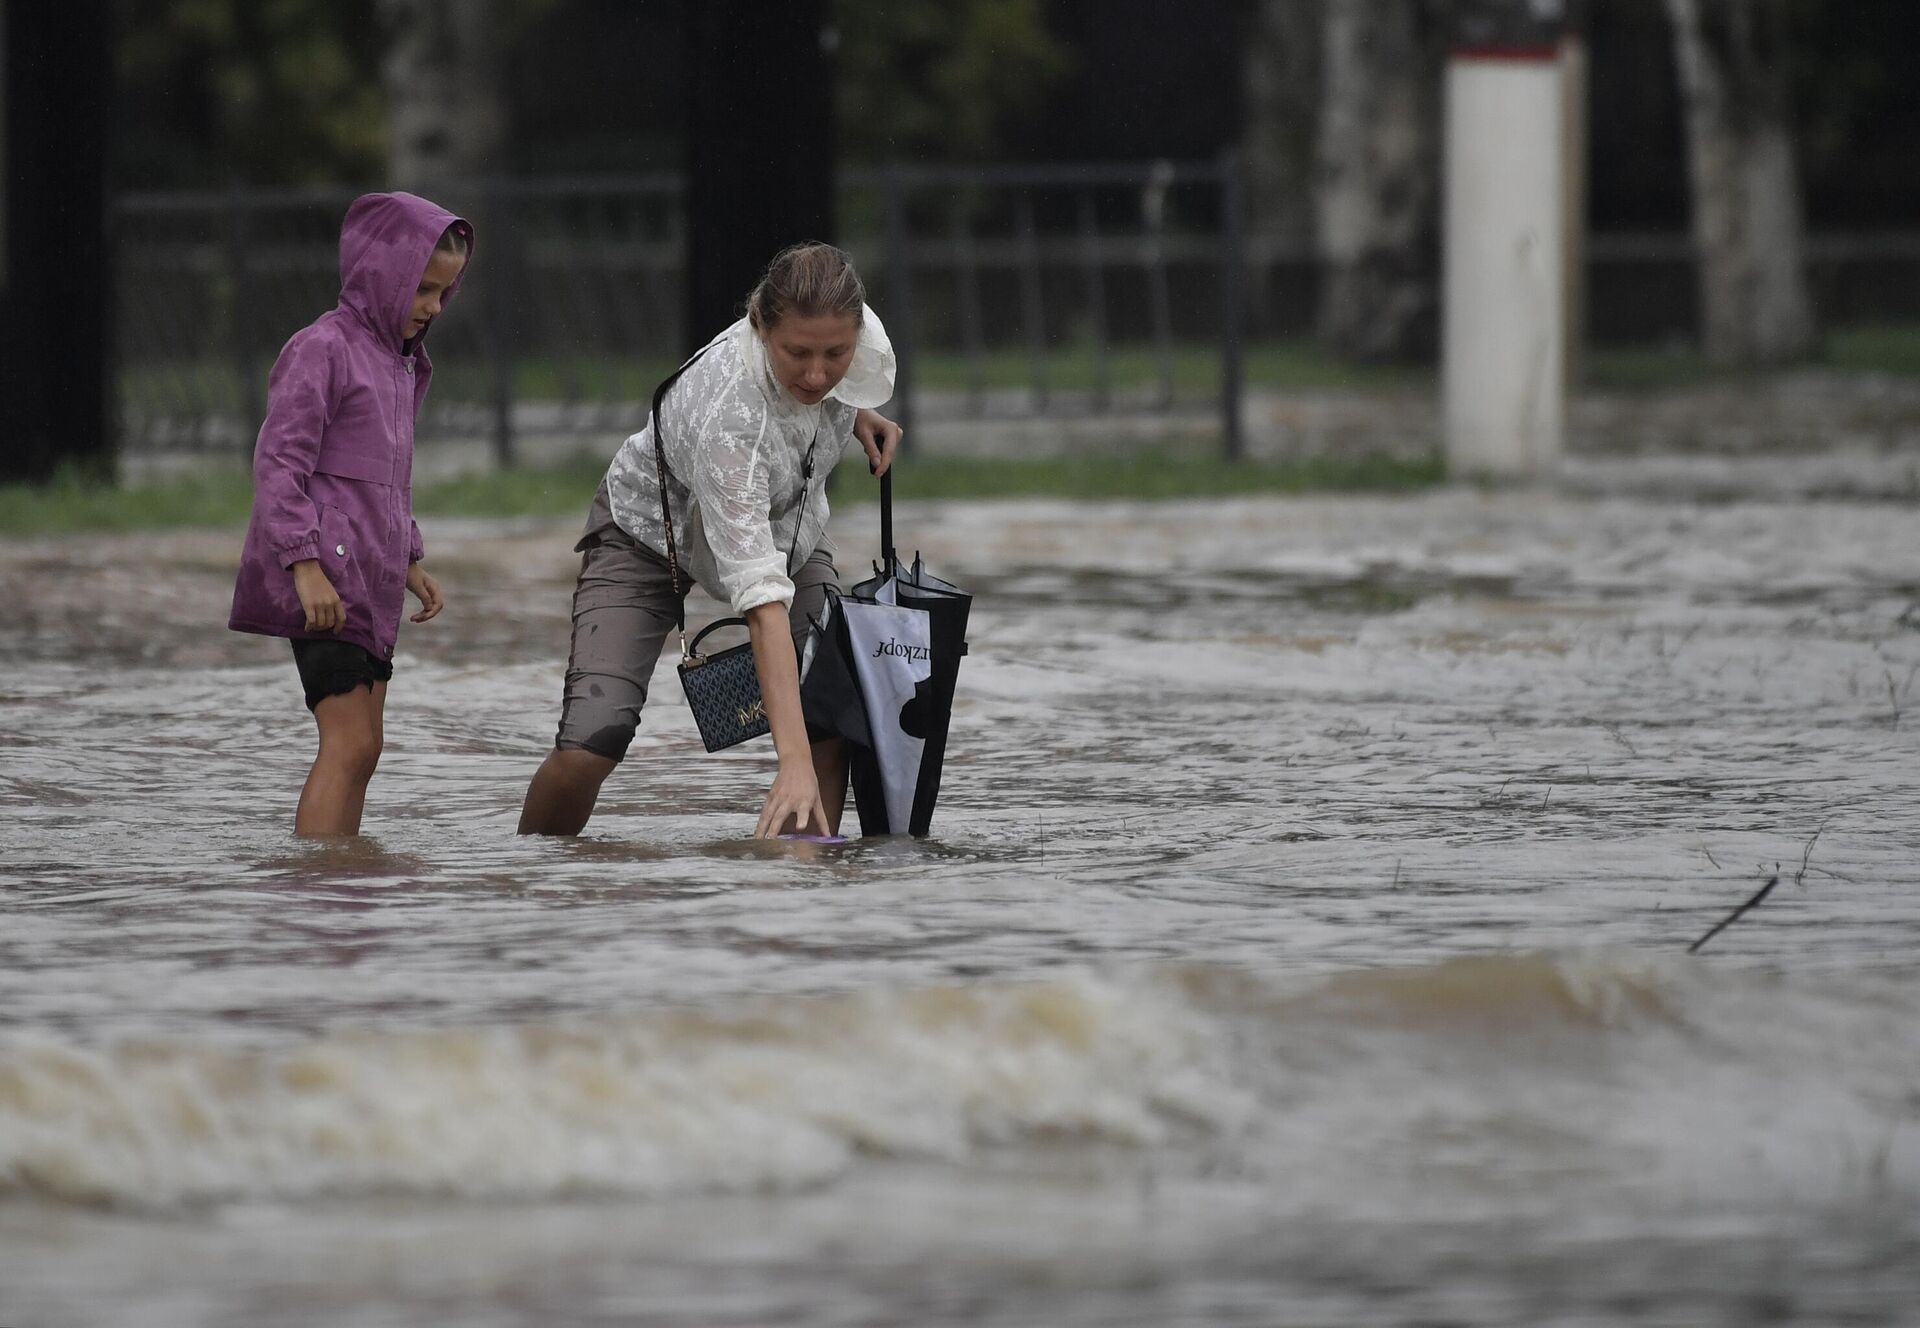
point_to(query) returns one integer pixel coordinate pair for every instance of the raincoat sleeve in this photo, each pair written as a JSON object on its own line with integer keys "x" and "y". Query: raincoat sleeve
{"x": 416, "y": 549}
{"x": 299, "y": 405}
{"x": 729, "y": 480}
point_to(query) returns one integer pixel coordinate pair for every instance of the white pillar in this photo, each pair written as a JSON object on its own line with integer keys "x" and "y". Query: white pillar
{"x": 1503, "y": 375}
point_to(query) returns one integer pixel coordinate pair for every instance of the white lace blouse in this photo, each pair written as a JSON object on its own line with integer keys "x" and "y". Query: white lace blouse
{"x": 737, "y": 444}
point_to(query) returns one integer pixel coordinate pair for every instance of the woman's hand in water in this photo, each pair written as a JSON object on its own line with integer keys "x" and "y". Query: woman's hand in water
{"x": 427, "y": 591}
{"x": 795, "y": 796}
{"x": 325, "y": 612}
{"x": 793, "y": 803}
{"x": 879, "y": 439}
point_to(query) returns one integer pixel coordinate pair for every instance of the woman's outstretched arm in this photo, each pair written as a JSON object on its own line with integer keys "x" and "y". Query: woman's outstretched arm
{"x": 793, "y": 803}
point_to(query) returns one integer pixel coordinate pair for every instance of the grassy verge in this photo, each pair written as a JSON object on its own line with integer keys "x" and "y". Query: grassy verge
{"x": 214, "y": 496}
{"x": 1884, "y": 350}
{"x": 1145, "y": 475}
{"x": 1192, "y": 367}
{"x": 563, "y": 490}
{"x": 1891, "y": 350}
{"x": 221, "y": 496}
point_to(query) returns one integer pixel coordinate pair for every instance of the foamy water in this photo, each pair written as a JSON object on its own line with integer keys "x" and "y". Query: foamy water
{"x": 1303, "y": 940}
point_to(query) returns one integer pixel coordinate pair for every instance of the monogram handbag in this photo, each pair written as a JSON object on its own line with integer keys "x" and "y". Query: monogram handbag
{"x": 723, "y": 689}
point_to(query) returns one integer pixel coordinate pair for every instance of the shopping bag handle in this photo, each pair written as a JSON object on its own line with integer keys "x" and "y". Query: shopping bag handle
{"x": 886, "y": 520}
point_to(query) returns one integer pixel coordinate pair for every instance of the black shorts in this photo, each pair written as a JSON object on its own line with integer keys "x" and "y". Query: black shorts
{"x": 334, "y": 668}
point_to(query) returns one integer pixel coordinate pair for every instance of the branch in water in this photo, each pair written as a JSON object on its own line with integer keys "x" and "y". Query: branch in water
{"x": 1734, "y": 916}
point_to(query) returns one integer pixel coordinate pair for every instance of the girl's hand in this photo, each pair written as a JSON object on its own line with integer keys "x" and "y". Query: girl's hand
{"x": 325, "y": 612}
{"x": 795, "y": 795}
{"x": 879, "y": 438}
{"x": 427, "y": 591}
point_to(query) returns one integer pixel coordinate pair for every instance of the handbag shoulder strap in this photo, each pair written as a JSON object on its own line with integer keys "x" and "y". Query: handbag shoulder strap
{"x": 666, "y": 504}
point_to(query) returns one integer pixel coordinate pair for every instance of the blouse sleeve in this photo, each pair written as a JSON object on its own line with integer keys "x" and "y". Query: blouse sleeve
{"x": 730, "y": 481}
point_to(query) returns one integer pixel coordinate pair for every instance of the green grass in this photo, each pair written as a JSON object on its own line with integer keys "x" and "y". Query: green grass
{"x": 1890, "y": 349}
{"x": 583, "y": 379}
{"x": 563, "y": 490}
{"x": 213, "y": 496}
{"x": 1645, "y": 368}
{"x": 220, "y": 496}
{"x": 1305, "y": 365}
{"x": 1194, "y": 368}
{"x": 1298, "y": 365}
{"x": 1147, "y": 475}
{"x": 187, "y": 385}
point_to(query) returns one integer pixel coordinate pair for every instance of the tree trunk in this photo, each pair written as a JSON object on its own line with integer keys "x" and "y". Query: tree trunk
{"x": 1376, "y": 205}
{"x": 56, "y": 269}
{"x": 1747, "y": 223}
{"x": 1281, "y": 78}
{"x": 760, "y": 149}
{"x": 442, "y": 76}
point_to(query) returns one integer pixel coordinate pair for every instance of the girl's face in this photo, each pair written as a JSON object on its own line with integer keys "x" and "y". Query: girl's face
{"x": 811, "y": 355}
{"x": 443, "y": 269}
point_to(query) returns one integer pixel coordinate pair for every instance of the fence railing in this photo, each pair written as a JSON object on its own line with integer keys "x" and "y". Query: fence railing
{"x": 1016, "y": 292}
{"x": 1012, "y": 292}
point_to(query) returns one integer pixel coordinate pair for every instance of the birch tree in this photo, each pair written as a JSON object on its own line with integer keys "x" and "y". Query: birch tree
{"x": 441, "y": 71}
{"x": 1747, "y": 221}
{"x": 1377, "y": 178}
{"x": 1281, "y": 80}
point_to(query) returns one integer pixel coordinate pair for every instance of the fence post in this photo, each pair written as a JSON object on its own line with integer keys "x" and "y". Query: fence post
{"x": 966, "y": 280}
{"x": 1233, "y": 273}
{"x": 1153, "y": 258}
{"x": 1033, "y": 309}
{"x": 240, "y": 319}
{"x": 498, "y": 311}
{"x": 1094, "y": 262}
{"x": 900, "y": 294}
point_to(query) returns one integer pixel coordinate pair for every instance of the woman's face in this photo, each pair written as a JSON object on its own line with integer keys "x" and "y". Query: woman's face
{"x": 810, "y": 355}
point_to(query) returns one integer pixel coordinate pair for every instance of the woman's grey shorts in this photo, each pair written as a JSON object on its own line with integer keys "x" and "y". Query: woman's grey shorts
{"x": 623, "y": 612}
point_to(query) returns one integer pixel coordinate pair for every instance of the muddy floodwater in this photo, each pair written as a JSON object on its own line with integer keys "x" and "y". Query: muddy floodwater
{"x": 1302, "y": 940}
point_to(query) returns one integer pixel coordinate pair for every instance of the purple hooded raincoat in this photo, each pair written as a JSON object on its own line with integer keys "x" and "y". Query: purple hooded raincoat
{"x": 333, "y": 467}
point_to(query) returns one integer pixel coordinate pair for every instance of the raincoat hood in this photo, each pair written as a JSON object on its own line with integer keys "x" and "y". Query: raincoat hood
{"x": 385, "y": 245}
{"x": 869, "y": 378}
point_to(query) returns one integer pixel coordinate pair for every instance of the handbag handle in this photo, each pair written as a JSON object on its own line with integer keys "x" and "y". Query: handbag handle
{"x": 693, "y": 651}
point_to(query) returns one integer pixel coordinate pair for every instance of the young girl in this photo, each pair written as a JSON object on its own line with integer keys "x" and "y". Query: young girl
{"x": 332, "y": 541}
{"x": 750, "y": 431}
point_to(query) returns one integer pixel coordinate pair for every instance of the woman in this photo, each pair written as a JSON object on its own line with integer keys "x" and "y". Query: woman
{"x": 749, "y": 430}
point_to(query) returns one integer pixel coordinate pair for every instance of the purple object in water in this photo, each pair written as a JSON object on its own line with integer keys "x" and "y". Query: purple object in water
{"x": 814, "y": 839}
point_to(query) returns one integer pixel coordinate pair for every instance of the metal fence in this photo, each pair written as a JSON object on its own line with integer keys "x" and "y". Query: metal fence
{"x": 1009, "y": 292}
{"x": 1014, "y": 293}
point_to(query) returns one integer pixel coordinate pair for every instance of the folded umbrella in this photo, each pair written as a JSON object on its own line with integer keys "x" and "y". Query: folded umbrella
{"x": 879, "y": 671}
